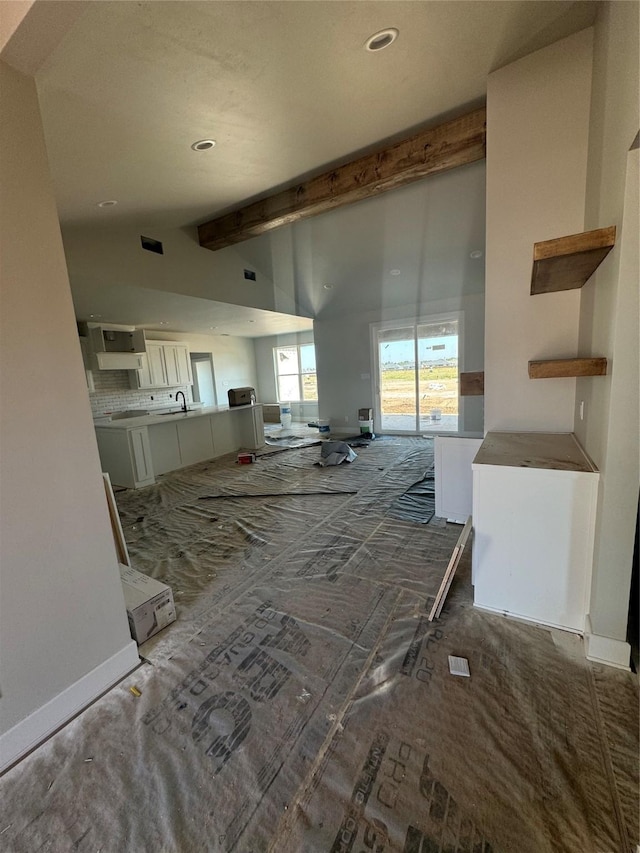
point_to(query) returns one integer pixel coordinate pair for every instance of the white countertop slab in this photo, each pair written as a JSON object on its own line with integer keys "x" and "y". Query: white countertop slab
{"x": 150, "y": 420}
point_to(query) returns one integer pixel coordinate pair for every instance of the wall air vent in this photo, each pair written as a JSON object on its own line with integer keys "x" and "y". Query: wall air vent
{"x": 152, "y": 245}
{"x": 250, "y": 275}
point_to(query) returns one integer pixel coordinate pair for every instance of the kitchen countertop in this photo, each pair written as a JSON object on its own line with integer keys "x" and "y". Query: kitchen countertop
{"x": 150, "y": 420}
{"x": 551, "y": 451}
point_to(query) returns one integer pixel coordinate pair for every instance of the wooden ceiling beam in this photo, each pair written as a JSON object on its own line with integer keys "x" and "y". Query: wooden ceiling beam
{"x": 429, "y": 152}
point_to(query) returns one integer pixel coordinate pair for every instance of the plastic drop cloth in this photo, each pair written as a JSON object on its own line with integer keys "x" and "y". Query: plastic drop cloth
{"x": 302, "y": 701}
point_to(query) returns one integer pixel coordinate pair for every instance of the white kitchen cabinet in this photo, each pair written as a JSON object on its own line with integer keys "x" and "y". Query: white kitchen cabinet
{"x": 225, "y": 433}
{"x": 166, "y": 365}
{"x": 126, "y": 455}
{"x": 178, "y": 364}
{"x": 251, "y": 428}
{"x": 134, "y": 451}
{"x": 157, "y": 366}
{"x": 534, "y": 510}
{"x": 454, "y": 477}
{"x": 195, "y": 440}
{"x": 165, "y": 450}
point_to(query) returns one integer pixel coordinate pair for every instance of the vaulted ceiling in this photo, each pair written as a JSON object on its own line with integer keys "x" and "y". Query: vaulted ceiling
{"x": 286, "y": 89}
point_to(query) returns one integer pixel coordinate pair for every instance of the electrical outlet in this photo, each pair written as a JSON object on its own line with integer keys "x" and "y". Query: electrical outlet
{"x": 582, "y": 410}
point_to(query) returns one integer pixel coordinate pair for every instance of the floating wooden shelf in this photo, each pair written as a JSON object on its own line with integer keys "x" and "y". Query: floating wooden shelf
{"x": 472, "y": 384}
{"x": 557, "y": 367}
{"x": 567, "y": 262}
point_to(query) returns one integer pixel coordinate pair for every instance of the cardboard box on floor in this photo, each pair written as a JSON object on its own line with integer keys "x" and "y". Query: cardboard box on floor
{"x": 149, "y": 604}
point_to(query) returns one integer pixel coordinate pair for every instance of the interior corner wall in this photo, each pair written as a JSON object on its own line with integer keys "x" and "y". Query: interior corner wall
{"x": 101, "y": 256}
{"x": 610, "y": 431}
{"x": 267, "y": 388}
{"x": 537, "y": 140}
{"x": 64, "y": 636}
{"x": 346, "y": 371}
{"x": 234, "y": 358}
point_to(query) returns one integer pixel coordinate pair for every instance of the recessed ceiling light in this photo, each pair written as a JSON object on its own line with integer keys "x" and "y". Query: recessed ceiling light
{"x": 382, "y": 39}
{"x": 250, "y": 321}
{"x": 203, "y": 144}
{"x": 212, "y": 328}
{"x": 108, "y": 203}
{"x": 328, "y": 286}
{"x": 475, "y": 254}
{"x": 95, "y": 315}
{"x": 394, "y": 272}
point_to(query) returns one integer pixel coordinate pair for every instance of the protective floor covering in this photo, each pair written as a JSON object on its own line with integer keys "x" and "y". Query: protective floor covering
{"x": 303, "y": 702}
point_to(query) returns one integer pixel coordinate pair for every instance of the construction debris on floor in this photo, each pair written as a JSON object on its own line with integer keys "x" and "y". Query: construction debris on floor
{"x": 304, "y": 702}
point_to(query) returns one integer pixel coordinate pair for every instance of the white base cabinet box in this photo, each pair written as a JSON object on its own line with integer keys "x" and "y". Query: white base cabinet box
{"x": 534, "y": 510}
{"x": 454, "y": 476}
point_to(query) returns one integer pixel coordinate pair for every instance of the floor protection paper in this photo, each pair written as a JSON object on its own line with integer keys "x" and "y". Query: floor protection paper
{"x": 303, "y": 701}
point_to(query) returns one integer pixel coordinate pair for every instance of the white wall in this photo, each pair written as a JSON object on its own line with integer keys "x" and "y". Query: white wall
{"x": 609, "y": 313}
{"x": 234, "y": 359}
{"x": 537, "y": 134}
{"x": 267, "y": 388}
{"x": 62, "y": 617}
{"x": 105, "y": 257}
{"x": 346, "y": 380}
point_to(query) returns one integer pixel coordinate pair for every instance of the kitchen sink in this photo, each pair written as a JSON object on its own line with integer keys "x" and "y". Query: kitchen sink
{"x": 129, "y": 413}
{"x": 178, "y": 412}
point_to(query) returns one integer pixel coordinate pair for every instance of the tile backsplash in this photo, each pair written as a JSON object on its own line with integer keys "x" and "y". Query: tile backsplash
{"x": 113, "y": 393}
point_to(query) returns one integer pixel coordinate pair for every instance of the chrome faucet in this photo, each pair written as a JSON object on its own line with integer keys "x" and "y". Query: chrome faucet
{"x": 184, "y": 400}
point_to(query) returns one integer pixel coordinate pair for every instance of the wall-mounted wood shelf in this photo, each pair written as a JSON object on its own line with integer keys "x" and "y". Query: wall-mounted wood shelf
{"x": 567, "y": 262}
{"x": 472, "y": 384}
{"x": 559, "y": 367}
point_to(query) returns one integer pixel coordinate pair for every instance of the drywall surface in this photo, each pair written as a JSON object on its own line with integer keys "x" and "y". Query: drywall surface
{"x": 609, "y": 312}
{"x": 234, "y": 359}
{"x": 346, "y": 369}
{"x": 267, "y": 386}
{"x": 62, "y": 612}
{"x": 537, "y": 132}
{"x": 102, "y": 257}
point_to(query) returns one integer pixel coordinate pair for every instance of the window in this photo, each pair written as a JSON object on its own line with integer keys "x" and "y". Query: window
{"x": 296, "y": 372}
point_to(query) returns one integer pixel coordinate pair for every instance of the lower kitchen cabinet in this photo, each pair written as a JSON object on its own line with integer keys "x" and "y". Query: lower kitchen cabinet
{"x": 252, "y": 429}
{"x": 165, "y": 450}
{"x": 126, "y": 455}
{"x": 534, "y": 511}
{"x": 134, "y": 455}
{"x": 195, "y": 440}
{"x": 225, "y": 433}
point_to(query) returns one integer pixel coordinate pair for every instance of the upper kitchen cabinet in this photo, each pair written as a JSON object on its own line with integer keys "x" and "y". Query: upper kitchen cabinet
{"x": 165, "y": 364}
{"x": 116, "y": 338}
{"x": 178, "y": 364}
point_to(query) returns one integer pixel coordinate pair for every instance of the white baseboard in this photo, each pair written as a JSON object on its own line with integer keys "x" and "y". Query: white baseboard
{"x": 606, "y": 650}
{"x": 517, "y": 617}
{"x": 31, "y": 731}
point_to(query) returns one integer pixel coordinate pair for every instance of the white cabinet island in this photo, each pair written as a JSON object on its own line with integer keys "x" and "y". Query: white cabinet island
{"x": 134, "y": 451}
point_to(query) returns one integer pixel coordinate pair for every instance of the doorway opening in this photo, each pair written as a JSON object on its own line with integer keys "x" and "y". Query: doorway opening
{"x": 204, "y": 386}
{"x": 418, "y": 375}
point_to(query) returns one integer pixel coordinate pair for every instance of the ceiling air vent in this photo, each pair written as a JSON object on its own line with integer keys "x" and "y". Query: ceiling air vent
{"x": 250, "y": 275}
{"x": 151, "y": 245}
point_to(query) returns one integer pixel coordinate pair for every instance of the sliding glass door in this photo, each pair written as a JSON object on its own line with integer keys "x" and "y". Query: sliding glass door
{"x": 417, "y": 373}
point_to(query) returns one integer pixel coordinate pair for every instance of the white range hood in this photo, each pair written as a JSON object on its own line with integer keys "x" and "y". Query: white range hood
{"x": 115, "y": 347}
{"x": 119, "y": 360}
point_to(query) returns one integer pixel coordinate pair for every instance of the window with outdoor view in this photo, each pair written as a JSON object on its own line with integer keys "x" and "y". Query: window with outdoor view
{"x": 296, "y": 372}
